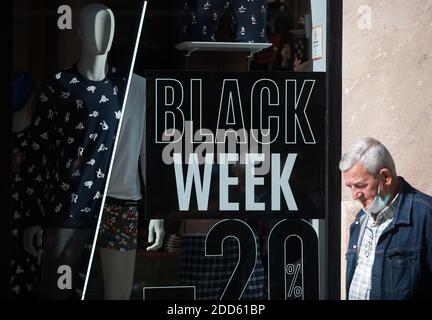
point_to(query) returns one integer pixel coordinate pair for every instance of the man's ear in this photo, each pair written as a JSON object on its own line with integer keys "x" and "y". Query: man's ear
{"x": 386, "y": 176}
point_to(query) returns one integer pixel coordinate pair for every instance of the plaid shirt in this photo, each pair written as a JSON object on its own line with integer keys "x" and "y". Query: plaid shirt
{"x": 375, "y": 225}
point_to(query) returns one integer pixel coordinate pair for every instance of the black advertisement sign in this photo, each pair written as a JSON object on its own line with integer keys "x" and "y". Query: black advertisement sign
{"x": 235, "y": 145}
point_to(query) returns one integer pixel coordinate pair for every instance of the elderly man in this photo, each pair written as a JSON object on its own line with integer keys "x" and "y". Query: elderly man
{"x": 390, "y": 247}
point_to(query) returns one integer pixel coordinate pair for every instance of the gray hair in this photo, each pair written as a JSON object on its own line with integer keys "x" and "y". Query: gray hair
{"x": 371, "y": 153}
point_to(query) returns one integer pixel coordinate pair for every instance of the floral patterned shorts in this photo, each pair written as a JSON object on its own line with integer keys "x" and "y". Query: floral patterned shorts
{"x": 119, "y": 226}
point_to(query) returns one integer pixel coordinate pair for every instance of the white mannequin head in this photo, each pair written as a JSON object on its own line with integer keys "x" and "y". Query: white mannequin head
{"x": 96, "y": 28}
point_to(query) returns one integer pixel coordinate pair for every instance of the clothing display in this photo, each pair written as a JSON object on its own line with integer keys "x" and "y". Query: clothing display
{"x": 23, "y": 266}
{"x": 210, "y": 274}
{"x": 201, "y": 19}
{"x": 119, "y": 226}
{"x": 74, "y": 123}
{"x": 130, "y": 153}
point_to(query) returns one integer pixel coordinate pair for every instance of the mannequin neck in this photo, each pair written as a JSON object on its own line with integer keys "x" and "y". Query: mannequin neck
{"x": 93, "y": 67}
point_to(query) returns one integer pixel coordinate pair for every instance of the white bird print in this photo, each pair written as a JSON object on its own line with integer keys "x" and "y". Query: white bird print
{"x": 65, "y": 94}
{"x": 91, "y": 89}
{"x": 76, "y": 173}
{"x": 65, "y": 186}
{"x": 104, "y": 125}
{"x": 100, "y": 174}
{"x": 94, "y": 114}
{"x": 91, "y": 162}
{"x": 35, "y": 146}
{"x": 37, "y": 121}
{"x": 70, "y": 140}
{"x": 80, "y": 151}
{"x": 103, "y": 99}
{"x": 50, "y": 114}
{"x": 86, "y": 210}
{"x": 117, "y": 114}
{"x": 58, "y": 208}
{"x": 58, "y": 75}
{"x": 88, "y": 184}
{"x": 29, "y": 191}
{"x": 44, "y": 135}
{"x": 74, "y": 81}
{"x": 43, "y": 97}
{"x": 67, "y": 116}
{"x": 93, "y": 136}
{"x": 115, "y": 90}
{"x": 68, "y": 164}
{"x": 102, "y": 148}
{"x": 80, "y": 126}
{"x": 97, "y": 195}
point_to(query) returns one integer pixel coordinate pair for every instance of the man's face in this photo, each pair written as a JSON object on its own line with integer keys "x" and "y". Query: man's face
{"x": 362, "y": 184}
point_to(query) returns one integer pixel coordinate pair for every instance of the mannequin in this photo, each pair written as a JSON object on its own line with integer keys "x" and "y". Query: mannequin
{"x": 74, "y": 123}
{"x": 118, "y": 231}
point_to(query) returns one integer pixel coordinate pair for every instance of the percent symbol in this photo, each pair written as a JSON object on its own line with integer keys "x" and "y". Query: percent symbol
{"x": 294, "y": 270}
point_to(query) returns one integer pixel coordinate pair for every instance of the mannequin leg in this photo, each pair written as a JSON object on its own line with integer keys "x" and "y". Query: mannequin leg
{"x": 117, "y": 242}
{"x": 118, "y": 273}
{"x": 63, "y": 247}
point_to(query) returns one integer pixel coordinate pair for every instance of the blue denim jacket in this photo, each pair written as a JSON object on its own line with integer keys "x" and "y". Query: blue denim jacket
{"x": 402, "y": 267}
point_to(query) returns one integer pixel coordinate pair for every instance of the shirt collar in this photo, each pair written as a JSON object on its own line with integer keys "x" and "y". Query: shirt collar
{"x": 388, "y": 212}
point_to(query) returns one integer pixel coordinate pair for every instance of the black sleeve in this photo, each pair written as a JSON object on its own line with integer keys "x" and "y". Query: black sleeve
{"x": 41, "y": 142}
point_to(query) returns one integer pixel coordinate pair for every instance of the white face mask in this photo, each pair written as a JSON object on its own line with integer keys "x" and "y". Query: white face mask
{"x": 378, "y": 204}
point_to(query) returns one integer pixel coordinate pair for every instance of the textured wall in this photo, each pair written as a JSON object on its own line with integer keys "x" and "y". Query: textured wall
{"x": 387, "y": 87}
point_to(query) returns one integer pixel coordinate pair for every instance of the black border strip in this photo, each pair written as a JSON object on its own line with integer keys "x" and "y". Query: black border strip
{"x": 6, "y": 145}
{"x": 334, "y": 142}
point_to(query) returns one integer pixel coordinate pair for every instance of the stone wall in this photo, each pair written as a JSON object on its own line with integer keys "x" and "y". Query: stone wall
{"x": 387, "y": 88}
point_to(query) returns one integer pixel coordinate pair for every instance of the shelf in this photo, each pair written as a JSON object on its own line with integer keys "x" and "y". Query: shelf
{"x": 192, "y": 46}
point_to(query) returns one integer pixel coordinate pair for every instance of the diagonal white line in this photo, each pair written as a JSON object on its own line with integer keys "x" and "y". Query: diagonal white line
{"x": 115, "y": 147}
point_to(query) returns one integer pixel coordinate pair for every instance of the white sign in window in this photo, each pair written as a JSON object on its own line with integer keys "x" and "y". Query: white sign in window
{"x": 317, "y": 43}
